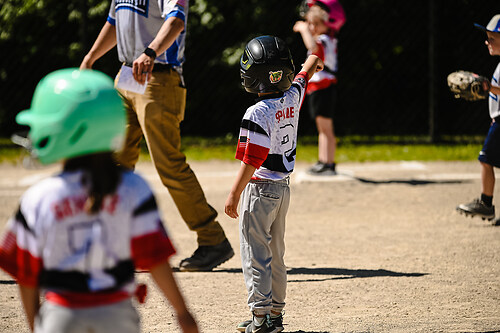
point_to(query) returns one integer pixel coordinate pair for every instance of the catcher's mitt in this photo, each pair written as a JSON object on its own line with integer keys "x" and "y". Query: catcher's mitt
{"x": 468, "y": 85}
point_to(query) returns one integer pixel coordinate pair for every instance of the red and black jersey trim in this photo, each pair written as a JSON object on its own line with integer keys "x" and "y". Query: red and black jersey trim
{"x": 22, "y": 220}
{"x": 254, "y": 127}
{"x": 147, "y": 206}
{"x": 274, "y": 162}
{"x": 76, "y": 281}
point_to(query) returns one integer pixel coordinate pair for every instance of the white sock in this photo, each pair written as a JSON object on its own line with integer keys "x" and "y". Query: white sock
{"x": 258, "y": 320}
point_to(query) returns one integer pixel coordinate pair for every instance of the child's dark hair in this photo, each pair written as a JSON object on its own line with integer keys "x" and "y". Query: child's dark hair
{"x": 101, "y": 176}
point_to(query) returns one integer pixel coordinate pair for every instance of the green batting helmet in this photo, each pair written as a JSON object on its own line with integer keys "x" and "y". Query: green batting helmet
{"x": 74, "y": 113}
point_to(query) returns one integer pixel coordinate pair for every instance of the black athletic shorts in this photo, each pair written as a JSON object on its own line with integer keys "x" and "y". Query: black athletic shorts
{"x": 322, "y": 102}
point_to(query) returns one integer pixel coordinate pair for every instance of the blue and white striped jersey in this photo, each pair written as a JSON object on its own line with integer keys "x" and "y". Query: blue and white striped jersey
{"x": 137, "y": 24}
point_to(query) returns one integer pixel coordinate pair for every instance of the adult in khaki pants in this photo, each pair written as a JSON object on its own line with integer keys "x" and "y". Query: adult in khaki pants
{"x": 150, "y": 39}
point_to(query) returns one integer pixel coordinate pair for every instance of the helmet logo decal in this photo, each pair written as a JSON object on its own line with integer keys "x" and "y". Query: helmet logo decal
{"x": 245, "y": 61}
{"x": 275, "y": 77}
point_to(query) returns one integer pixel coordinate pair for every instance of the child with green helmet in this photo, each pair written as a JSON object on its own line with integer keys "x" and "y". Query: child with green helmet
{"x": 79, "y": 236}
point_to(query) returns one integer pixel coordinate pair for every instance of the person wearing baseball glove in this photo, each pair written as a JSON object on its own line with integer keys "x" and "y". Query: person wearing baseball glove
{"x": 489, "y": 157}
{"x": 469, "y": 86}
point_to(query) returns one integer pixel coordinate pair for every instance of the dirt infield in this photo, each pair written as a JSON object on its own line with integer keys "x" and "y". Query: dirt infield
{"x": 378, "y": 248}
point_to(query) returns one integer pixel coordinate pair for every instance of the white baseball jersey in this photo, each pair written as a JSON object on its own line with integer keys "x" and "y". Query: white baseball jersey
{"x": 78, "y": 259}
{"x": 326, "y": 51}
{"x": 138, "y": 22}
{"x": 268, "y": 132}
{"x": 493, "y": 102}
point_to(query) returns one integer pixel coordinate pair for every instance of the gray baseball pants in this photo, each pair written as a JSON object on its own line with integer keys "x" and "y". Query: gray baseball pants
{"x": 119, "y": 317}
{"x": 264, "y": 205}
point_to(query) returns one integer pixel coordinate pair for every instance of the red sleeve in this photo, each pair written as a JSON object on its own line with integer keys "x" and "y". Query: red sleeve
{"x": 151, "y": 249}
{"x": 19, "y": 263}
{"x": 252, "y": 154}
{"x": 320, "y": 51}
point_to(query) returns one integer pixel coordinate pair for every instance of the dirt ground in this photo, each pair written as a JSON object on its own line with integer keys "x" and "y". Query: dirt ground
{"x": 379, "y": 248}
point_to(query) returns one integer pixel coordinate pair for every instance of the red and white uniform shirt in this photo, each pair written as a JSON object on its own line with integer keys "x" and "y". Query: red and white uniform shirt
{"x": 268, "y": 132}
{"x": 326, "y": 51}
{"x": 78, "y": 259}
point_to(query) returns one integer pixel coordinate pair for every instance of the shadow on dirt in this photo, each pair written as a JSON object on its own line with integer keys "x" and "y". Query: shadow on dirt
{"x": 6, "y": 282}
{"x": 413, "y": 182}
{"x": 334, "y": 273}
{"x": 342, "y": 273}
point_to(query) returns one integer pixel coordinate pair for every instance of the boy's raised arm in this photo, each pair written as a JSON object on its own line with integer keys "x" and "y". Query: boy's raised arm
{"x": 312, "y": 65}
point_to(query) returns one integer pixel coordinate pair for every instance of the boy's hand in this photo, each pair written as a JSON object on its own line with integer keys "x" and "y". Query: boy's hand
{"x": 320, "y": 66}
{"x": 231, "y": 206}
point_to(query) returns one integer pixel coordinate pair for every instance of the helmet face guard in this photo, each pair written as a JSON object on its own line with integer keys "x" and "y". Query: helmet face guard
{"x": 266, "y": 65}
{"x": 74, "y": 113}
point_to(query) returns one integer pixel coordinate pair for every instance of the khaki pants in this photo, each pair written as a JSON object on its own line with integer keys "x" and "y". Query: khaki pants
{"x": 157, "y": 115}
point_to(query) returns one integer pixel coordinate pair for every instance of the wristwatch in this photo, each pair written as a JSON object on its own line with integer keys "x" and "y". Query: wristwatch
{"x": 150, "y": 53}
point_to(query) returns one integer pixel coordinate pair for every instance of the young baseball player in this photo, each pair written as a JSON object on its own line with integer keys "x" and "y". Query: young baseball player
{"x": 323, "y": 22}
{"x": 267, "y": 147}
{"x": 489, "y": 157}
{"x": 79, "y": 235}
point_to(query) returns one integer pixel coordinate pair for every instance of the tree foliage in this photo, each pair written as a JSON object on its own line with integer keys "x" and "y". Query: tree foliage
{"x": 384, "y": 60}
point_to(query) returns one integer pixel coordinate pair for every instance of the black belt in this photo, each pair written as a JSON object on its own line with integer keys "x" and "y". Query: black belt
{"x": 157, "y": 68}
{"x": 497, "y": 119}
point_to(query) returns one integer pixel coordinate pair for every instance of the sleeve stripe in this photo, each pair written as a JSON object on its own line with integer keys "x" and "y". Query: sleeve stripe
{"x": 111, "y": 20}
{"x": 19, "y": 263}
{"x": 151, "y": 249}
{"x": 22, "y": 220}
{"x": 251, "y": 126}
{"x": 255, "y": 155}
{"x": 259, "y": 139}
{"x": 178, "y": 14}
{"x": 147, "y": 206}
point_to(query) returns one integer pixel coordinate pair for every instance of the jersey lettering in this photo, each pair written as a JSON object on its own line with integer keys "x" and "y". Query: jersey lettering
{"x": 138, "y": 6}
{"x": 284, "y": 114}
{"x": 74, "y": 205}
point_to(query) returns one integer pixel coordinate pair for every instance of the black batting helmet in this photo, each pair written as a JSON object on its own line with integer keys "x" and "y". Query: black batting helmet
{"x": 266, "y": 65}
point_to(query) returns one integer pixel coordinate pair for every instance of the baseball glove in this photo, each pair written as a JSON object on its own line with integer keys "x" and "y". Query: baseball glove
{"x": 468, "y": 85}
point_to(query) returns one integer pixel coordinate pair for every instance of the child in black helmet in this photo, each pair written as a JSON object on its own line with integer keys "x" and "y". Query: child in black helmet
{"x": 267, "y": 148}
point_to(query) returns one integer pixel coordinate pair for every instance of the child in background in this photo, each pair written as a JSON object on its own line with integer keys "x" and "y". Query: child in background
{"x": 267, "y": 148}
{"x": 489, "y": 157}
{"x": 323, "y": 22}
{"x": 78, "y": 236}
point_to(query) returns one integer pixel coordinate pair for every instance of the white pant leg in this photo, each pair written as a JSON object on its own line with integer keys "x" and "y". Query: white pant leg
{"x": 278, "y": 266}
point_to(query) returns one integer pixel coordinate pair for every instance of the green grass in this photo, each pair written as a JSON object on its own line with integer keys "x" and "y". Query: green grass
{"x": 350, "y": 149}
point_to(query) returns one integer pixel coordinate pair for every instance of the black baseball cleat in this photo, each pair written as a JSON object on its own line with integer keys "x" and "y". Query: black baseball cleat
{"x": 277, "y": 321}
{"x": 477, "y": 208}
{"x": 322, "y": 169}
{"x": 267, "y": 326}
{"x": 206, "y": 258}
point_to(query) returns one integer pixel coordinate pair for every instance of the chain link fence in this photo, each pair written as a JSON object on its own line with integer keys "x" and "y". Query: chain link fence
{"x": 394, "y": 57}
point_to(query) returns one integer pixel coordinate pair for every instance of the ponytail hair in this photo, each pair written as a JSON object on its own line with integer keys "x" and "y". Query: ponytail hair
{"x": 101, "y": 177}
